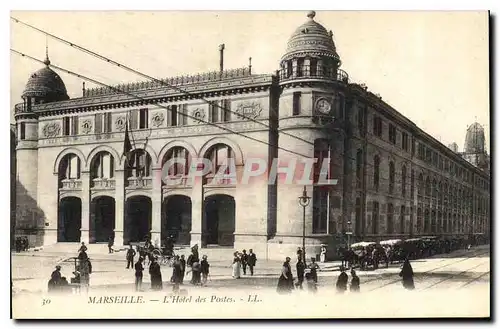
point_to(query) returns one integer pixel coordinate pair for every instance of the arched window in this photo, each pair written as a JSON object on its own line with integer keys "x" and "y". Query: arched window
{"x": 359, "y": 167}
{"x": 376, "y": 172}
{"x": 178, "y": 159}
{"x": 427, "y": 220}
{"x": 434, "y": 189}
{"x": 102, "y": 166}
{"x": 321, "y": 153}
{"x": 375, "y": 217}
{"x": 70, "y": 167}
{"x": 391, "y": 177}
{"x": 419, "y": 220}
{"x": 420, "y": 187}
{"x": 403, "y": 181}
{"x": 427, "y": 187}
{"x": 390, "y": 218}
{"x": 138, "y": 164}
{"x": 402, "y": 220}
{"x": 440, "y": 193}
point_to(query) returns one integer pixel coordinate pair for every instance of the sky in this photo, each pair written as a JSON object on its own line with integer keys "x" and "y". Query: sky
{"x": 432, "y": 67}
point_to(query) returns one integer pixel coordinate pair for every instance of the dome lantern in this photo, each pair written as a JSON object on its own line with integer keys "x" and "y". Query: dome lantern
{"x": 44, "y": 86}
{"x": 311, "y": 53}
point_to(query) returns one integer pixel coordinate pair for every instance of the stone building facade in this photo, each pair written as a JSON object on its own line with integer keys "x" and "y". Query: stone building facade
{"x": 393, "y": 179}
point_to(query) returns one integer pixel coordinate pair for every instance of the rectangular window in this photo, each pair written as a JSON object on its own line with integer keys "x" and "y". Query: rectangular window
{"x": 392, "y": 134}
{"x": 412, "y": 191}
{"x": 107, "y": 122}
{"x": 361, "y": 119}
{"x": 375, "y": 217}
{"x": 143, "y": 119}
{"x": 172, "y": 116}
{"x": 214, "y": 111}
{"x": 404, "y": 141}
{"x": 74, "y": 126}
{"x": 296, "y": 103}
{"x": 377, "y": 126}
{"x": 102, "y": 123}
{"x": 23, "y": 131}
{"x": 413, "y": 146}
{"x": 98, "y": 123}
{"x": 133, "y": 123}
{"x": 226, "y": 110}
{"x": 320, "y": 210}
{"x": 183, "y": 114}
{"x": 66, "y": 126}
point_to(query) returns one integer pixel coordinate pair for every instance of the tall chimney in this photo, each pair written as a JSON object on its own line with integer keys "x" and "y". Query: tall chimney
{"x": 221, "y": 52}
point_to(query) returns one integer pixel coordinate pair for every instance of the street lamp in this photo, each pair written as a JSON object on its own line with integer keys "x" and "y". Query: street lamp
{"x": 304, "y": 200}
{"x": 348, "y": 233}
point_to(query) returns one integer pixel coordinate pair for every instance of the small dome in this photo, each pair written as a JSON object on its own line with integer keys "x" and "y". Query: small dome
{"x": 474, "y": 139}
{"x": 311, "y": 38}
{"x": 46, "y": 84}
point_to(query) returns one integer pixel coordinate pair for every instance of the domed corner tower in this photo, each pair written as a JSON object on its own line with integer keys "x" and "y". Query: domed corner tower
{"x": 43, "y": 86}
{"x": 474, "y": 146}
{"x": 311, "y": 112}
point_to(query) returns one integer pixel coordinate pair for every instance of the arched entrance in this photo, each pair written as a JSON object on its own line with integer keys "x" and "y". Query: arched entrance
{"x": 176, "y": 219}
{"x": 137, "y": 219}
{"x": 219, "y": 220}
{"x": 102, "y": 219}
{"x": 69, "y": 222}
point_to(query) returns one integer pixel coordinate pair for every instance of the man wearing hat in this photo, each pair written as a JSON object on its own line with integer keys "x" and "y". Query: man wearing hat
{"x": 138, "y": 274}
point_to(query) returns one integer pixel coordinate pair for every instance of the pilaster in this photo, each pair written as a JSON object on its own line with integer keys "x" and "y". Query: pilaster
{"x": 119, "y": 206}
{"x": 156, "y": 196}
{"x": 85, "y": 228}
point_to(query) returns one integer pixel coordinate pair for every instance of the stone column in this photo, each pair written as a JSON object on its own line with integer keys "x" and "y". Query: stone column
{"x": 85, "y": 233}
{"x": 197, "y": 212}
{"x": 119, "y": 206}
{"x": 156, "y": 197}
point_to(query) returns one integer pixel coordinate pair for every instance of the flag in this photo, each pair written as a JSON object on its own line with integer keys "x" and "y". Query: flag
{"x": 127, "y": 146}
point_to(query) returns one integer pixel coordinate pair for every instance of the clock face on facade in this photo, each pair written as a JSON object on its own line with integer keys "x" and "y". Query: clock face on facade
{"x": 323, "y": 106}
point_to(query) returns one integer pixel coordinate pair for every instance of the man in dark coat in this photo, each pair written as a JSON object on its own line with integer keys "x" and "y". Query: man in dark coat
{"x": 354, "y": 282}
{"x": 177, "y": 274}
{"x": 342, "y": 282}
{"x": 205, "y": 269}
{"x": 285, "y": 282}
{"x": 252, "y": 260}
{"x": 301, "y": 267}
{"x": 83, "y": 247}
{"x": 55, "y": 279}
{"x": 183, "y": 269}
{"x": 138, "y": 274}
{"x": 130, "y": 257}
{"x": 111, "y": 242}
{"x": 244, "y": 261}
{"x": 155, "y": 273}
{"x": 193, "y": 259}
{"x": 407, "y": 275}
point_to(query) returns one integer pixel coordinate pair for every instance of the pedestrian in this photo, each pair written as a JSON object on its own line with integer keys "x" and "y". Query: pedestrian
{"x": 322, "y": 255}
{"x": 354, "y": 287}
{"x": 182, "y": 261}
{"x": 139, "y": 274}
{"x": 177, "y": 274}
{"x": 342, "y": 281}
{"x": 205, "y": 269}
{"x": 192, "y": 259}
{"x": 244, "y": 261}
{"x": 312, "y": 287}
{"x": 407, "y": 275}
{"x": 252, "y": 260}
{"x": 130, "y": 257}
{"x": 111, "y": 242}
{"x": 299, "y": 253}
{"x": 83, "y": 248}
{"x": 155, "y": 273}
{"x": 85, "y": 269}
{"x": 301, "y": 267}
{"x": 285, "y": 281}
{"x": 236, "y": 266}
{"x": 55, "y": 279}
{"x": 314, "y": 267}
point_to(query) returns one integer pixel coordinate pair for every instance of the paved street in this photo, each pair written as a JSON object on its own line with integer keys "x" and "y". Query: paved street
{"x": 455, "y": 284}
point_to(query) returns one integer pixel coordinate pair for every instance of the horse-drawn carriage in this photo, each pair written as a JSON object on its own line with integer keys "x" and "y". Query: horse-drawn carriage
{"x": 165, "y": 254}
{"x": 395, "y": 250}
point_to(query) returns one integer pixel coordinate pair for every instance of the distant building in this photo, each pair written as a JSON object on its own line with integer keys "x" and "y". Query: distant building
{"x": 394, "y": 180}
{"x": 454, "y": 147}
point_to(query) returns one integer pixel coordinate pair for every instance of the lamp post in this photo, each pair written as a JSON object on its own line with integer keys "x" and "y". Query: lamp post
{"x": 304, "y": 200}
{"x": 348, "y": 233}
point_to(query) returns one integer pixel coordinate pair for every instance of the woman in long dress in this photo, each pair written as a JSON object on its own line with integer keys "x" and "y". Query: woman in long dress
{"x": 322, "y": 255}
{"x": 236, "y": 266}
{"x": 285, "y": 282}
{"x": 407, "y": 275}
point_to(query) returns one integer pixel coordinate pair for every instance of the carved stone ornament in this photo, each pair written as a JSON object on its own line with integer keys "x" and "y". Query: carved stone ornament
{"x": 120, "y": 123}
{"x": 199, "y": 114}
{"x": 158, "y": 119}
{"x": 86, "y": 126}
{"x": 51, "y": 129}
{"x": 249, "y": 110}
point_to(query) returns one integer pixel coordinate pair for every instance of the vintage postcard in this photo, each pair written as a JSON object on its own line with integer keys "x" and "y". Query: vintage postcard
{"x": 250, "y": 164}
